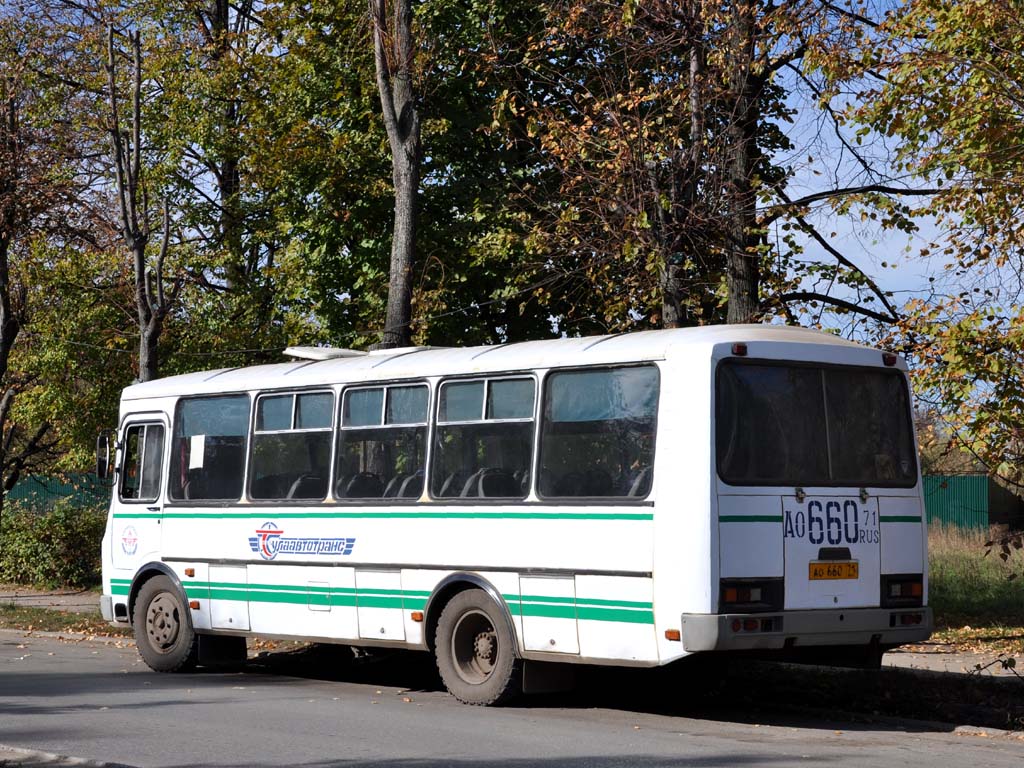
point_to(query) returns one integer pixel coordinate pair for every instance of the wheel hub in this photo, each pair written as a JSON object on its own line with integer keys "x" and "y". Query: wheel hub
{"x": 474, "y": 647}
{"x": 162, "y": 624}
{"x": 485, "y": 646}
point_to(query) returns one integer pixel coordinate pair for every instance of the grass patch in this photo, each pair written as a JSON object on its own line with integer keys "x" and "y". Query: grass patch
{"x": 31, "y": 618}
{"x": 968, "y": 589}
{"x": 996, "y": 639}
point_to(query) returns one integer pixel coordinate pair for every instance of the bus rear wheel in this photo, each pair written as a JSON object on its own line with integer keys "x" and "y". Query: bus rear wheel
{"x": 163, "y": 627}
{"x": 475, "y": 650}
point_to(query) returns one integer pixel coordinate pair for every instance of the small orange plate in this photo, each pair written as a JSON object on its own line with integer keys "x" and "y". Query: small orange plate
{"x": 833, "y": 569}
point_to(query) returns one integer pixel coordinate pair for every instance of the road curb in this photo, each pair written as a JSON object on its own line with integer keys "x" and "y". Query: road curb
{"x": 975, "y": 730}
{"x": 17, "y": 756}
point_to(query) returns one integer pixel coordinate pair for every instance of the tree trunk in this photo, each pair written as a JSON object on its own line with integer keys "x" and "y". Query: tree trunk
{"x": 397, "y": 331}
{"x": 684, "y": 189}
{"x": 743, "y": 259}
{"x": 402, "y": 123}
{"x": 9, "y": 328}
{"x": 227, "y": 172}
{"x": 10, "y": 325}
{"x": 151, "y": 303}
{"x": 149, "y": 358}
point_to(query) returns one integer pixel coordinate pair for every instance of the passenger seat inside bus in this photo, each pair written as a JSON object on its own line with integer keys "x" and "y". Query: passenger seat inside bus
{"x": 308, "y": 487}
{"x": 493, "y": 483}
{"x": 364, "y": 485}
{"x": 412, "y": 486}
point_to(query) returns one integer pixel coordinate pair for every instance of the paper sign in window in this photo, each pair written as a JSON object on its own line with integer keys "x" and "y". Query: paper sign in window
{"x": 196, "y": 452}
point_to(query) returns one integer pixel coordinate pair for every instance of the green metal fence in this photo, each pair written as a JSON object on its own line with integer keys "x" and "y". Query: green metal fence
{"x": 971, "y": 501}
{"x": 42, "y": 492}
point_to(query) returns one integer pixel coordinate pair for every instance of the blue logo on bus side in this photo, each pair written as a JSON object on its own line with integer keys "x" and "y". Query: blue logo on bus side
{"x": 270, "y": 542}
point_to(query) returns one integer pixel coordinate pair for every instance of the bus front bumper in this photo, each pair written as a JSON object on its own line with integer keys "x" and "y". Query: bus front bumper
{"x": 107, "y": 607}
{"x": 802, "y": 629}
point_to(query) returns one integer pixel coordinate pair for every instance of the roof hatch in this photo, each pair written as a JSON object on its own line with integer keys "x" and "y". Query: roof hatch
{"x": 321, "y": 353}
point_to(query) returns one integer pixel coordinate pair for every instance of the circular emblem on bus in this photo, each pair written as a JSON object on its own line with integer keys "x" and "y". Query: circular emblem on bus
{"x": 129, "y": 541}
{"x": 268, "y": 540}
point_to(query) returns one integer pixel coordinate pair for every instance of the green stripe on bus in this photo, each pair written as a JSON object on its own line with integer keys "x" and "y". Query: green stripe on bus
{"x": 900, "y": 518}
{"x": 610, "y": 614}
{"x": 580, "y": 601}
{"x": 302, "y": 598}
{"x": 750, "y": 519}
{"x": 587, "y": 609}
{"x": 278, "y": 515}
{"x": 582, "y": 613}
{"x": 309, "y": 588}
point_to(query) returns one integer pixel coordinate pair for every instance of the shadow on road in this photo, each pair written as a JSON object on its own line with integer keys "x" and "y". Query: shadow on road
{"x": 736, "y": 691}
{"x": 615, "y": 761}
{"x": 727, "y": 690}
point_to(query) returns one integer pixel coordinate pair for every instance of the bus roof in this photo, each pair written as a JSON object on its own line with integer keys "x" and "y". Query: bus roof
{"x": 417, "y": 362}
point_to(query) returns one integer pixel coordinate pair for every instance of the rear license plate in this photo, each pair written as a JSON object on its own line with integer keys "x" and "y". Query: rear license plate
{"x": 833, "y": 570}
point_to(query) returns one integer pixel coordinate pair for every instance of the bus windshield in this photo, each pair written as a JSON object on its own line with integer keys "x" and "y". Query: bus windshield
{"x": 795, "y": 425}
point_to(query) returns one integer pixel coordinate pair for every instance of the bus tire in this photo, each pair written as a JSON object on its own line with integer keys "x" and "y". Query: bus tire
{"x": 475, "y": 650}
{"x": 163, "y": 627}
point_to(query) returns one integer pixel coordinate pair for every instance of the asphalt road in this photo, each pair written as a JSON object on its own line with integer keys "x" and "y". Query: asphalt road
{"x": 98, "y": 701}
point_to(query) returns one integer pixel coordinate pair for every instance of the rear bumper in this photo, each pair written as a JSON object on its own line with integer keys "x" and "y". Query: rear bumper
{"x": 803, "y": 629}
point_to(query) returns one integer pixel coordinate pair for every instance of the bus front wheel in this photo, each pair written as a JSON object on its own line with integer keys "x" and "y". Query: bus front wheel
{"x": 475, "y": 650}
{"x": 163, "y": 627}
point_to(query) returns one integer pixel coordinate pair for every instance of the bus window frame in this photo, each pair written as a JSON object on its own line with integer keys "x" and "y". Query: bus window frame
{"x": 644, "y": 500}
{"x": 339, "y": 427}
{"x": 171, "y": 501}
{"x": 253, "y": 410}
{"x": 821, "y": 366}
{"x": 436, "y": 423}
{"x": 162, "y": 476}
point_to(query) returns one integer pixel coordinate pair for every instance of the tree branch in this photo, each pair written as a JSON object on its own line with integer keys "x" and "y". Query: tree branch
{"x": 777, "y": 211}
{"x": 837, "y": 302}
{"x": 378, "y": 13}
{"x": 115, "y": 135}
{"x": 820, "y": 239}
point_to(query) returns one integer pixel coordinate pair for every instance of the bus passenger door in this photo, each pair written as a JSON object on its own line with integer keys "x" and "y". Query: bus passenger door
{"x": 137, "y": 501}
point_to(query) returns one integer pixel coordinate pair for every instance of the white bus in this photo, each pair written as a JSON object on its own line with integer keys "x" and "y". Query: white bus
{"x": 623, "y": 500}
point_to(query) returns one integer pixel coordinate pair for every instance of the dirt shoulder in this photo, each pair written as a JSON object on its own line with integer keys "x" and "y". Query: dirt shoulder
{"x": 75, "y": 601}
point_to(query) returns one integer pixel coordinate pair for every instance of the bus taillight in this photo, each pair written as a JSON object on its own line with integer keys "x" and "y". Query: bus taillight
{"x": 902, "y": 590}
{"x": 750, "y": 595}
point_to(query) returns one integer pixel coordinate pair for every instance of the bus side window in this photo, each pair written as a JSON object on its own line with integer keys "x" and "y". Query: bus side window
{"x": 382, "y": 443}
{"x": 208, "y": 449}
{"x": 484, "y": 439}
{"x": 597, "y": 435}
{"x": 291, "y": 446}
{"x": 143, "y": 457}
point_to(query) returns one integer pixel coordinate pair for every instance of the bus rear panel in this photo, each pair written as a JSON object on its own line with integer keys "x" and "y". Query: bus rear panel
{"x": 820, "y": 523}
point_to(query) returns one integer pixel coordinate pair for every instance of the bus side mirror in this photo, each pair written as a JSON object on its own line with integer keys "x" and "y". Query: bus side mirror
{"x": 104, "y": 470}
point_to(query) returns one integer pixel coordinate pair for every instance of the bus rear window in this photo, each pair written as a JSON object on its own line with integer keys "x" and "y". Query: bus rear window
{"x": 788, "y": 424}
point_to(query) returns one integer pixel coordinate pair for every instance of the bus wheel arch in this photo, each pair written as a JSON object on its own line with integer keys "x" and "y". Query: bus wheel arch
{"x": 144, "y": 574}
{"x": 448, "y": 588}
{"x": 162, "y": 621}
{"x": 474, "y": 642}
